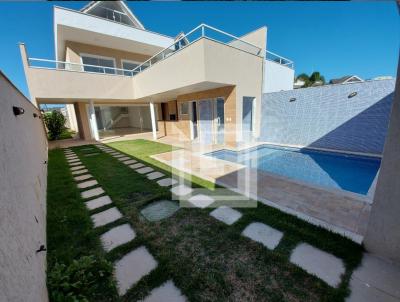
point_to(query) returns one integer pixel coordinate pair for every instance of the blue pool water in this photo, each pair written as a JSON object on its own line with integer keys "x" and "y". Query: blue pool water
{"x": 332, "y": 170}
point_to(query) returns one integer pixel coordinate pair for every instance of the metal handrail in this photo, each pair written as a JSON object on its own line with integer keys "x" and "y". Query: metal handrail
{"x": 281, "y": 60}
{"x": 203, "y": 27}
{"x": 104, "y": 68}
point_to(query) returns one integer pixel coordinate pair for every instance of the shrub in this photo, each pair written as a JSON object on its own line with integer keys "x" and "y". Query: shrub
{"x": 55, "y": 122}
{"x": 85, "y": 279}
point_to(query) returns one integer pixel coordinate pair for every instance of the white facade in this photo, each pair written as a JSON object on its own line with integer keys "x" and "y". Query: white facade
{"x": 277, "y": 77}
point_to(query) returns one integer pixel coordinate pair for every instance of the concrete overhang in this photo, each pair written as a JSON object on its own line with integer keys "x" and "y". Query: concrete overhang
{"x": 70, "y": 25}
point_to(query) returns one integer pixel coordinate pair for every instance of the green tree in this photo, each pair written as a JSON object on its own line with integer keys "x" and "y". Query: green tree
{"x": 55, "y": 124}
{"x": 315, "y": 79}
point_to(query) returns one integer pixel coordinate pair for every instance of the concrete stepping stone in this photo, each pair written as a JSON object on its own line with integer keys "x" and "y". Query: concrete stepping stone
{"x": 159, "y": 210}
{"x": 128, "y": 162}
{"x": 181, "y": 190}
{"x": 119, "y": 155}
{"x": 87, "y": 184}
{"x": 201, "y": 200}
{"x": 123, "y": 158}
{"x": 87, "y": 149}
{"x": 91, "y": 154}
{"x": 92, "y": 192}
{"x": 132, "y": 267}
{"x": 166, "y": 292}
{"x": 167, "y": 182}
{"x": 314, "y": 261}
{"x": 98, "y": 202}
{"x": 144, "y": 170}
{"x": 226, "y": 215}
{"x": 79, "y": 171}
{"x": 117, "y": 236}
{"x": 264, "y": 234}
{"x": 106, "y": 217}
{"x": 77, "y": 163}
{"x": 74, "y": 160}
{"x": 135, "y": 166}
{"x": 115, "y": 153}
{"x": 77, "y": 168}
{"x": 72, "y": 157}
{"x": 154, "y": 175}
{"x": 82, "y": 177}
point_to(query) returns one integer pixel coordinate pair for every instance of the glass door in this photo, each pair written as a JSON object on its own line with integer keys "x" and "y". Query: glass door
{"x": 205, "y": 121}
{"x": 247, "y": 118}
{"x": 219, "y": 120}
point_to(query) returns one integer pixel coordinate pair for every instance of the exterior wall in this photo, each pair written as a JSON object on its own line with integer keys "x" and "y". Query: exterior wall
{"x": 277, "y": 77}
{"x": 383, "y": 234}
{"x": 23, "y": 185}
{"x": 74, "y": 50}
{"x": 73, "y": 125}
{"x": 83, "y": 121}
{"x": 229, "y": 94}
{"x": 324, "y": 117}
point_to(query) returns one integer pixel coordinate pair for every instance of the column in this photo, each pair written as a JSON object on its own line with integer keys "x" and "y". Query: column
{"x": 93, "y": 122}
{"x": 153, "y": 120}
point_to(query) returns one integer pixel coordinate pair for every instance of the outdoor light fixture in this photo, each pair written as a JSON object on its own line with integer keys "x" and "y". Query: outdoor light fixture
{"x": 35, "y": 115}
{"x": 353, "y": 94}
{"x": 292, "y": 99}
{"x": 18, "y": 110}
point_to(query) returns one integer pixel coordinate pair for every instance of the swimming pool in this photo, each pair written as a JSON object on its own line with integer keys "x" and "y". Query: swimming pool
{"x": 333, "y": 170}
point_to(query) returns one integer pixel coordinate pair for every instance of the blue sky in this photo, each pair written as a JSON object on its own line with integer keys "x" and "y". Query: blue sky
{"x": 336, "y": 39}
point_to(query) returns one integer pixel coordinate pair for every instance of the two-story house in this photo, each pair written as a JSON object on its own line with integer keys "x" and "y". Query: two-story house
{"x": 204, "y": 85}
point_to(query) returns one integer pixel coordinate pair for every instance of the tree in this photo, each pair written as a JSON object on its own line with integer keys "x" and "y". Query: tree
{"x": 55, "y": 124}
{"x": 314, "y": 80}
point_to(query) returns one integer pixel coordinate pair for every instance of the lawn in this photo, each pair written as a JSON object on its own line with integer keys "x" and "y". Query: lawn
{"x": 206, "y": 259}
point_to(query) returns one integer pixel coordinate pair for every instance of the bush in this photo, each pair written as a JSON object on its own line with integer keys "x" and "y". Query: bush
{"x": 55, "y": 123}
{"x": 85, "y": 279}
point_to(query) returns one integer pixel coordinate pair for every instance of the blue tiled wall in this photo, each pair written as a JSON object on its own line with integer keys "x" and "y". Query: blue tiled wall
{"x": 324, "y": 117}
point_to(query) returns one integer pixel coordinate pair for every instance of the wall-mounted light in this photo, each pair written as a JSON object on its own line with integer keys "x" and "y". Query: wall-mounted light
{"x": 18, "y": 110}
{"x": 292, "y": 100}
{"x": 35, "y": 115}
{"x": 351, "y": 95}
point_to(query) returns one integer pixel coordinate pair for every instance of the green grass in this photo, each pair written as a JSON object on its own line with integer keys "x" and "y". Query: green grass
{"x": 205, "y": 258}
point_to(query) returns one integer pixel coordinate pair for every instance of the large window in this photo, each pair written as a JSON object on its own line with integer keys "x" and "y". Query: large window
{"x": 105, "y": 65}
{"x": 129, "y": 65}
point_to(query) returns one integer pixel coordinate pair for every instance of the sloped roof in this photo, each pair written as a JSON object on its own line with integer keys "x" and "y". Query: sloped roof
{"x": 346, "y": 79}
{"x": 124, "y": 8}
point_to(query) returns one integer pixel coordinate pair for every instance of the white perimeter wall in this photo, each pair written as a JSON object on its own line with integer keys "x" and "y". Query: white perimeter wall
{"x": 23, "y": 183}
{"x": 277, "y": 77}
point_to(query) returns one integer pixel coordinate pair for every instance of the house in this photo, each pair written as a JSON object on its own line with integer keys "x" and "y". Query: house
{"x": 120, "y": 78}
{"x": 346, "y": 80}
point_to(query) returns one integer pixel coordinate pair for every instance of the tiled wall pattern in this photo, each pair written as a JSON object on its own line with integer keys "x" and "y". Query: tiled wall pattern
{"x": 325, "y": 117}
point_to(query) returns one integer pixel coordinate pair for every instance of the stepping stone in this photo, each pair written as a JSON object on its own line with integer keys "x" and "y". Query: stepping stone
{"x": 135, "y": 166}
{"x": 73, "y": 160}
{"x": 132, "y": 267}
{"x": 98, "y": 202}
{"x": 119, "y": 155}
{"x": 87, "y": 184}
{"x": 80, "y": 171}
{"x": 77, "y": 168}
{"x": 201, "y": 200}
{"x": 106, "y": 217}
{"x": 264, "y": 234}
{"x": 159, "y": 210}
{"x": 69, "y": 153}
{"x": 325, "y": 266}
{"x": 128, "y": 162}
{"x": 117, "y": 236}
{"x": 82, "y": 177}
{"x": 167, "y": 182}
{"x": 181, "y": 190}
{"x": 91, "y": 154}
{"x": 123, "y": 158}
{"x": 115, "y": 153}
{"x": 144, "y": 170}
{"x": 226, "y": 215}
{"x": 154, "y": 175}
{"x": 92, "y": 192}
{"x": 72, "y": 157}
{"x": 87, "y": 149}
{"x": 166, "y": 292}
{"x": 77, "y": 163}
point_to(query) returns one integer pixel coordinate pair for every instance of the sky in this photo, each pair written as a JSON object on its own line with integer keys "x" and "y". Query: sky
{"x": 334, "y": 38}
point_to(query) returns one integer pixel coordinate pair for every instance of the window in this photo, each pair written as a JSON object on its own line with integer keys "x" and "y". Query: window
{"x": 129, "y": 65}
{"x": 106, "y": 65}
{"x": 184, "y": 108}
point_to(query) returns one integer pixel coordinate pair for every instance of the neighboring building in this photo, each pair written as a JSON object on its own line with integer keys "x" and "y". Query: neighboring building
{"x": 122, "y": 79}
{"x": 346, "y": 80}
